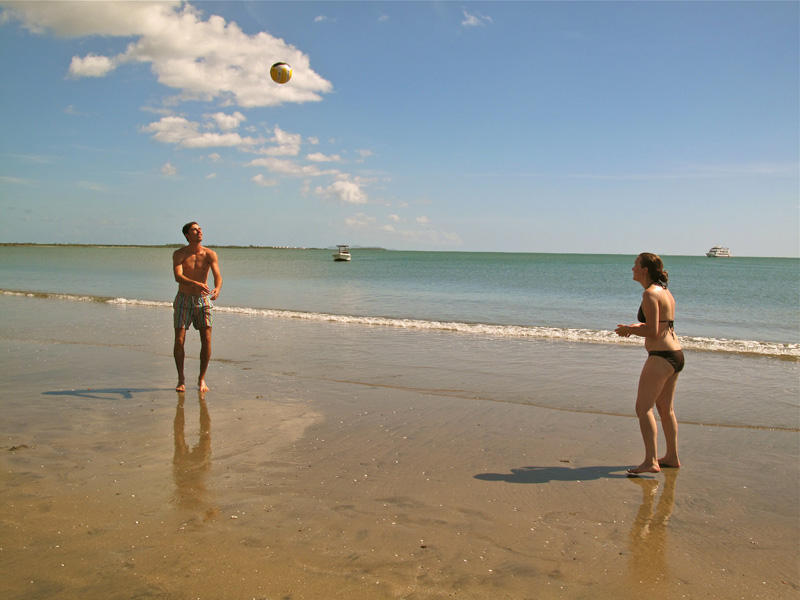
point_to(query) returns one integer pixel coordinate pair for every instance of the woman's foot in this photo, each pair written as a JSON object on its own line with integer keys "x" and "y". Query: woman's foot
{"x": 668, "y": 462}
{"x": 645, "y": 467}
{"x": 201, "y": 385}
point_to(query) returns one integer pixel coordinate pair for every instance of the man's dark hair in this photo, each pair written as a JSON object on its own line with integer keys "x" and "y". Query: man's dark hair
{"x": 187, "y": 226}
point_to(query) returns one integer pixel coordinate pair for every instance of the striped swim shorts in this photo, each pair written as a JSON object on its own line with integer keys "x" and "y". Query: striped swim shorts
{"x": 194, "y": 310}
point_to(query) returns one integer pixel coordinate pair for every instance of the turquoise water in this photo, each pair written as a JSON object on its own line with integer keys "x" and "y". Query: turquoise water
{"x": 728, "y": 305}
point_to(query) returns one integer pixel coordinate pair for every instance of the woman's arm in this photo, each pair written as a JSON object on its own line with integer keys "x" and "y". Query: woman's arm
{"x": 651, "y": 316}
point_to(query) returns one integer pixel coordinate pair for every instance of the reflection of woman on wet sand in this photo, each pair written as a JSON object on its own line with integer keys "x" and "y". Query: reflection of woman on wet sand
{"x": 648, "y": 537}
{"x": 664, "y": 362}
{"x": 190, "y": 467}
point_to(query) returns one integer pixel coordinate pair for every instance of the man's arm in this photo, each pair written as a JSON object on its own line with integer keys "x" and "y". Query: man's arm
{"x": 217, "y": 273}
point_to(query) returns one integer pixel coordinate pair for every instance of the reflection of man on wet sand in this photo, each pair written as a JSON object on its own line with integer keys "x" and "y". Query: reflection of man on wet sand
{"x": 192, "y": 305}
{"x": 190, "y": 467}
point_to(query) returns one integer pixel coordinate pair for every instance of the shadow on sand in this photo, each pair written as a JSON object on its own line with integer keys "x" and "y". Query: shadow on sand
{"x": 546, "y": 474}
{"x": 105, "y": 393}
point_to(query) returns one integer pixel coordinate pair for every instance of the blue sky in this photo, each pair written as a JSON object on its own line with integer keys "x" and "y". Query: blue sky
{"x": 522, "y": 126}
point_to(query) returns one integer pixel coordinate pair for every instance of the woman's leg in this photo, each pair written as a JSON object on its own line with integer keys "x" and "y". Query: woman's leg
{"x": 655, "y": 373}
{"x": 665, "y": 406}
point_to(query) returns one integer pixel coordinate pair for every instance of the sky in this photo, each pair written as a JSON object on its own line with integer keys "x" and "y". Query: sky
{"x": 589, "y": 127}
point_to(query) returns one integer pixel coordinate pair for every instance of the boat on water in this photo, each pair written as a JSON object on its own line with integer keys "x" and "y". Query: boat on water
{"x": 719, "y": 252}
{"x": 342, "y": 253}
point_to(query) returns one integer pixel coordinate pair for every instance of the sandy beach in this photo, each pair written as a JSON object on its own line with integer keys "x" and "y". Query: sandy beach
{"x": 334, "y": 461}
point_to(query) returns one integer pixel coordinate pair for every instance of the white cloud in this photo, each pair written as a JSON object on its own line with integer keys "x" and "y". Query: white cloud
{"x": 779, "y": 169}
{"x": 288, "y": 167}
{"x": 71, "y": 110}
{"x": 91, "y": 65}
{"x": 168, "y": 170}
{"x": 214, "y": 157}
{"x": 359, "y": 220}
{"x": 263, "y": 181}
{"x": 156, "y": 110}
{"x": 185, "y": 133}
{"x": 393, "y": 230}
{"x": 33, "y": 158}
{"x": 203, "y": 59}
{"x": 227, "y": 122}
{"x": 211, "y": 176}
{"x": 92, "y": 186}
{"x": 104, "y": 18}
{"x": 431, "y": 236}
{"x": 475, "y": 20}
{"x": 320, "y": 157}
{"x": 690, "y": 172}
{"x": 320, "y": 19}
{"x": 14, "y": 180}
{"x": 344, "y": 190}
{"x": 288, "y": 144}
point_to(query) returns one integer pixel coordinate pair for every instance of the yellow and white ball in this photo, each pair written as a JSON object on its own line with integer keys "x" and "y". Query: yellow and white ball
{"x": 280, "y": 72}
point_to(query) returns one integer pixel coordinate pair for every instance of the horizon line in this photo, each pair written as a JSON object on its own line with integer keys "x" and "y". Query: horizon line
{"x": 352, "y": 246}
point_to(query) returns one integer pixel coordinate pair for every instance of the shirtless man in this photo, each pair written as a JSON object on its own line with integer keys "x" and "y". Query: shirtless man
{"x": 190, "y": 265}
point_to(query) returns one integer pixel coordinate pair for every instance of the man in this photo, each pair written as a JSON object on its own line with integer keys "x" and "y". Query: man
{"x": 190, "y": 265}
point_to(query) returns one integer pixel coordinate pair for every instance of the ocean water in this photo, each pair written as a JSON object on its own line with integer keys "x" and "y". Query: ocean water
{"x": 735, "y": 305}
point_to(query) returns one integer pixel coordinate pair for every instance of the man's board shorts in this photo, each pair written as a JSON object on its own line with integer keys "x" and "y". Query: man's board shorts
{"x": 194, "y": 310}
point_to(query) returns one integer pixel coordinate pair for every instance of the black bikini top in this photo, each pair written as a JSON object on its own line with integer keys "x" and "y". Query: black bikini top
{"x": 670, "y": 323}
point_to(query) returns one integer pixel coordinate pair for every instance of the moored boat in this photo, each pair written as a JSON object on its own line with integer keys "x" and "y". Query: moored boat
{"x": 342, "y": 253}
{"x": 719, "y": 252}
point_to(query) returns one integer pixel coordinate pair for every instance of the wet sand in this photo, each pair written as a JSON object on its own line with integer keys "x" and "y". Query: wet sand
{"x": 318, "y": 467}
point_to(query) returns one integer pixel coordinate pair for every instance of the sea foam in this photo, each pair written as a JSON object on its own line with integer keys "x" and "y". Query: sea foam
{"x": 591, "y": 336}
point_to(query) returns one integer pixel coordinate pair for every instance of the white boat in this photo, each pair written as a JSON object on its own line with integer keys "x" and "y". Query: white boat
{"x": 719, "y": 252}
{"x": 342, "y": 254}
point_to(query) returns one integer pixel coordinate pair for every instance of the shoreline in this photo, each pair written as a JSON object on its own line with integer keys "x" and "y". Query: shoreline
{"x": 370, "y": 248}
{"x": 784, "y": 351}
{"x": 331, "y": 461}
{"x": 76, "y": 245}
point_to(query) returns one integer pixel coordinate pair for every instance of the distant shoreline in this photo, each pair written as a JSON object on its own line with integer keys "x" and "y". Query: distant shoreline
{"x": 74, "y": 245}
{"x": 256, "y": 247}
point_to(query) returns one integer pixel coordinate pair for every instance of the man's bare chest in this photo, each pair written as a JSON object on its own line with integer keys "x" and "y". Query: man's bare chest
{"x": 196, "y": 262}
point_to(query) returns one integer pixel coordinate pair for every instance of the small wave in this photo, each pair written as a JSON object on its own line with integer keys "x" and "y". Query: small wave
{"x": 774, "y": 349}
{"x": 785, "y": 351}
{"x": 56, "y": 296}
{"x": 157, "y": 303}
{"x": 84, "y": 298}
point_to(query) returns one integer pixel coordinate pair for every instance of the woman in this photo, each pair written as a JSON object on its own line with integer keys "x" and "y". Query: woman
{"x": 664, "y": 363}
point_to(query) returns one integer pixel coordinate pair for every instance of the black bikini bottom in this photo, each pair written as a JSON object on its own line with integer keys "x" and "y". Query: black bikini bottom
{"x": 673, "y": 357}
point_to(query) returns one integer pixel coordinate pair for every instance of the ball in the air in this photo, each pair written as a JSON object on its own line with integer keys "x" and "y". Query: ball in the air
{"x": 280, "y": 72}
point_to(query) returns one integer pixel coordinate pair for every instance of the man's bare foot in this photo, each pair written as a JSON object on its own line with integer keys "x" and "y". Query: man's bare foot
{"x": 201, "y": 385}
{"x": 181, "y": 387}
{"x": 666, "y": 463}
{"x": 645, "y": 467}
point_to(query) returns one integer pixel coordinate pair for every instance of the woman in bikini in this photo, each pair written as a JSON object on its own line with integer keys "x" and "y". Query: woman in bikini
{"x": 664, "y": 362}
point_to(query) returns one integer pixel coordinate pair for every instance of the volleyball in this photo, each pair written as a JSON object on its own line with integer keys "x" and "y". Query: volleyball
{"x": 280, "y": 72}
